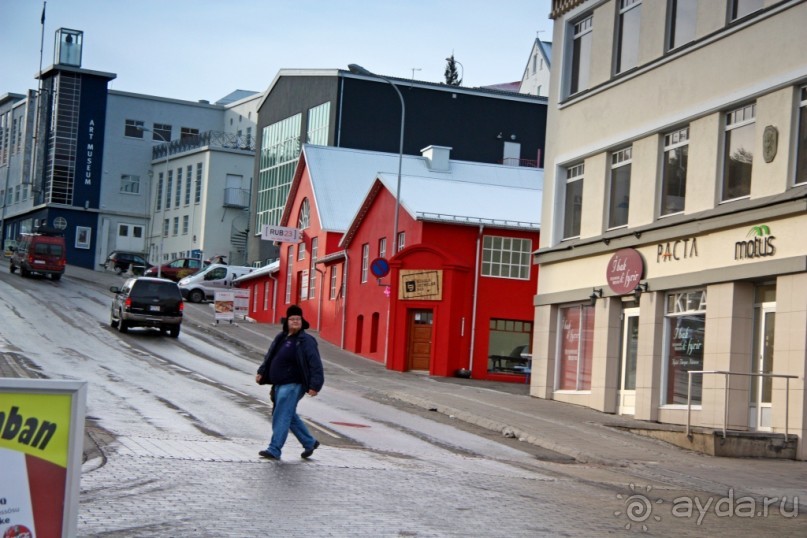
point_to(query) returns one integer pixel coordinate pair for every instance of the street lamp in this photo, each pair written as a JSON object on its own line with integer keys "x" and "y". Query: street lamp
{"x": 359, "y": 70}
{"x": 162, "y": 204}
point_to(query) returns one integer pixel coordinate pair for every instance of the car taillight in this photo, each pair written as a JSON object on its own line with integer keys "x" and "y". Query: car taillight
{"x": 127, "y": 304}
{"x": 181, "y": 306}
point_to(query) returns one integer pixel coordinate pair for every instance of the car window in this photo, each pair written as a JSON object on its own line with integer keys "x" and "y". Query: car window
{"x": 194, "y": 264}
{"x": 48, "y": 249}
{"x": 144, "y": 289}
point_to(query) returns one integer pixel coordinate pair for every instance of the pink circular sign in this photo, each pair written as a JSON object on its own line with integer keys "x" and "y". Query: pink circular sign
{"x": 625, "y": 270}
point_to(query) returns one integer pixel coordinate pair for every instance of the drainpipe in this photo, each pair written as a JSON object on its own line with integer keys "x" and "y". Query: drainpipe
{"x": 475, "y": 298}
{"x": 319, "y": 303}
{"x": 274, "y": 297}
{"x": 344, "y": 297}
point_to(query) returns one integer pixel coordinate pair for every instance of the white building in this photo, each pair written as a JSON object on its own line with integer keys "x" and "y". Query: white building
{"x": 674, "y": 213}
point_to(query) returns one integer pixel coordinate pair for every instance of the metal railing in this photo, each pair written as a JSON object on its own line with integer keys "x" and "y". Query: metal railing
{"x": 726, "y": 394}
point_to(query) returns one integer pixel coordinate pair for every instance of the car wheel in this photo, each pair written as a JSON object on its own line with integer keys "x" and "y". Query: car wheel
{"x": 173, "y": 332}
{"x": 118, "y": 269}
{"x": 55, "y": 276}
{"x": 122, "y": 325}
{"x": 12, "y": 268}
{"x": 112, "y": 321}
{"x": 25, "y": 273}
{"x": 196, "y": 296}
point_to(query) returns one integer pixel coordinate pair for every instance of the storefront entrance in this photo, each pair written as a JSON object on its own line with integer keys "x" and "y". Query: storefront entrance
{"x": 627, "y": 364}
{"x": 419, "y": 346}
{"x": 759, "y": 413}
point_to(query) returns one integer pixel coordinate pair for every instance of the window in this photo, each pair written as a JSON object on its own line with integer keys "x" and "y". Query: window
{"x": 188, "y": 134}
{"x": 685, "y": 323}
{"x": 168, "y": 189}
{"x": 165, "y": 227}
{"x": 682, "y": 18}
{"x": 312, "y": 280}
{"x": 318, "y": 118}
{"x": 188, "y": 176}
{"x": 401, "y": 241}
{"x": 741, "y": 8}
{"x": 176, "y": 225}
{"x": 197, "y": 197}
{"x": 130, "y": 184}
{"x": 133, "y": 129}
{"x": 185, "y": 224}
{"x": 277, "y": 161}
{"x": 301, "y": 251}
{"x": 573, "y": 203}
{"x": 674, "y": 172}
{"x": 506, "y": 257}
{"x": 627, "y": 52}
{"x": 801, "y": 142}
{"x": 365, "y": 261}
{"x": 581, "y": 55}
{"x": 738, "y": 150}
{"x": 178, "y": 197}
{"x": 289, "y": 269}
{"x": 508, "y": 340}
{"x": 382, "y": 247}
{"x": 305, "y": 216}
{"x": 576, "y": 332}
{"x": 161, "y": 132}
{"x": 334, "y": 282}
{"x": 619, "y": 201}
{"x": 16, "y": 193}
{"x": 159, "y": 204}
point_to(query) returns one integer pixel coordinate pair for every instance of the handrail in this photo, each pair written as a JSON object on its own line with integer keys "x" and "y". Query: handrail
{"x": 726, "y": 393}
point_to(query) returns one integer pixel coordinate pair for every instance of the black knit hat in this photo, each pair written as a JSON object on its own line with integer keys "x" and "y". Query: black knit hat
{"x": 294, "y": 310}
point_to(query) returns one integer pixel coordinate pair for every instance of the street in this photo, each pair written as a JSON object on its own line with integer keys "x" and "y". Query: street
{"x": 180, "y": 423}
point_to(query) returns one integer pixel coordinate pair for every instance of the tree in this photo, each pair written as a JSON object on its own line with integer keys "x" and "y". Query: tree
{"x": 452, "y": 77}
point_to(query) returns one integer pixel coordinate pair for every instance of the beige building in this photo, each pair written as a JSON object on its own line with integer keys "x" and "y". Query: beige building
{"x": 674, "y": 235}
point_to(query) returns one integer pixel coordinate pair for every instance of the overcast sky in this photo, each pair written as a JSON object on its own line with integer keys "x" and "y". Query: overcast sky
{"x": 204, "y": 49}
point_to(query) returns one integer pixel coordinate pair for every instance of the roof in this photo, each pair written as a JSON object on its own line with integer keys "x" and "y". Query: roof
{"x": 341, "y": 179}
{"x": 234, "y": 96}
{"x": 268, "y": 269}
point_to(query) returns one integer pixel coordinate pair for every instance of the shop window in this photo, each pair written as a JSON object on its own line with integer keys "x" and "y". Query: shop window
{"x": 509, "y": 345}
{"x": 685, "y": 323}
{"x": 576, "y": 347}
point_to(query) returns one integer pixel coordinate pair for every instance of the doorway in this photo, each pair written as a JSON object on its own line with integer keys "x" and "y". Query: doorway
{"x": 627, "y": 364}
{"x": 759, "y": 413}
{"x": 419, "y": 346}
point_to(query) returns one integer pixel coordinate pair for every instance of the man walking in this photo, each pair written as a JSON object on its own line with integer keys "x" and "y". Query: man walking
{"x": 294, "y": 368}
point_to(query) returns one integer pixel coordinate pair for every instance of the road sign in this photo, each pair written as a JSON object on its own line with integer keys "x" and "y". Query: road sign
{"x": 379, "y": 267}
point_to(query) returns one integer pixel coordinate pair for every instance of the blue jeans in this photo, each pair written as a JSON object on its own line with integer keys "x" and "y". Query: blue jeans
{"x": 285, "y": 418}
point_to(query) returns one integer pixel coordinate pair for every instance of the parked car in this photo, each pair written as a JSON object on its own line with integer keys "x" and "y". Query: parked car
{"x": 177, "y": 269}
{"x": 203, "y": 285}
{"x": 121, "y": 261}
{"x": 42, "y": 252}
{"x": 147, "y": 302}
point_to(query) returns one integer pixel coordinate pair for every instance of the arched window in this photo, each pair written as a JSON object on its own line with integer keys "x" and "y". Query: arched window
{"x": 304, "y": 218}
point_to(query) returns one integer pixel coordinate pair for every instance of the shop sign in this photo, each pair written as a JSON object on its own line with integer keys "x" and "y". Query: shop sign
{"x": 422, "y": 284}
{"x": 624, "y": 271}
{"x": 281, "y": 234}
{"x": 759, "y": 246}
{"x": 679, "y": 249}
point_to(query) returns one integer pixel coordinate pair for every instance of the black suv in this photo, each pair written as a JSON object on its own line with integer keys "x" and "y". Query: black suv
{"x": 147, "y": 302}
{"x": 120, "y": 261}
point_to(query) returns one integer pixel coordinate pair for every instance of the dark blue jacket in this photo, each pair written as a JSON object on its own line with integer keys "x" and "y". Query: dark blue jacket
{"x": 308, "y": 360}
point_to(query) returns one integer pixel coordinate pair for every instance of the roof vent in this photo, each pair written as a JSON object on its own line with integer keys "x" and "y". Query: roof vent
{"x": 437, "y": 157}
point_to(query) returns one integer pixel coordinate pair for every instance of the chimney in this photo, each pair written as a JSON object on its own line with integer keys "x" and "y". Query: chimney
{"x": 437, "y": 157}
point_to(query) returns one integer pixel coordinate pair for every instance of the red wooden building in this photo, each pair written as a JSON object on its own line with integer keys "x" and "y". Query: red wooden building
{"x": 457, "y": 294}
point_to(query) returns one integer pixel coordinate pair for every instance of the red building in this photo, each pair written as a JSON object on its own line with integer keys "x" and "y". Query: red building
{"x": 457, "y": 294}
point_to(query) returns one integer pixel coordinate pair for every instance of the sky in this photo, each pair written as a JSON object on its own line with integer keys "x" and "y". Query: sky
{"x": 205, "y": 49}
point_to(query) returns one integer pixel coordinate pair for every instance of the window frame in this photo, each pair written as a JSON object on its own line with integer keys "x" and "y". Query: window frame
{"x": 584, "y": 348}
{"x": 575, "y": 173}
{"x": 674, "y": 20}
{"x": 673, "y": 141}
{"x": 365, "y": 261}
{"x": 673, "y": 312}
{"x": 133, "y": 128}
{"x": 627, "y": 42}
{"x": 498, "y": 253}
{"x": 800, "y": 167}
{"x": 733, "y": 123}
{"x": 129, "y": 184}
{"x": 621, "y": 159}
{"x": 159, "y": 130}
{"x": 580, "y": 46}
{"x": 735, "y": 6}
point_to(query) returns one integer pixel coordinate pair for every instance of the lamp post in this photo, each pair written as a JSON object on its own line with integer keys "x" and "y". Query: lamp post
{"x": 162, "y": 204}
{"x": 359, "y": 70}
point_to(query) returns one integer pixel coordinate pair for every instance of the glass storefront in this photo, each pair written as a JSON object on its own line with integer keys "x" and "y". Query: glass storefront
{"x": 577, "y": 335}
{"x": 685, "y": 322}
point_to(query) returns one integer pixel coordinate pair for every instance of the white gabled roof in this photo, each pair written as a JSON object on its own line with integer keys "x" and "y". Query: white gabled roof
{"x": 268, "y": 269}
{"x": 341, "y": 179}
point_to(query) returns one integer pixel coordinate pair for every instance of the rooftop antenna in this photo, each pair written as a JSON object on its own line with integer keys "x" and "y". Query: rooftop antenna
{"x": 413, "y": 71}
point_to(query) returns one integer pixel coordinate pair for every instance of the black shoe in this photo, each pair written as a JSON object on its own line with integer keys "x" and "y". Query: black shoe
{"x": 308, "y": 452}
{"x": 268, "y": 455}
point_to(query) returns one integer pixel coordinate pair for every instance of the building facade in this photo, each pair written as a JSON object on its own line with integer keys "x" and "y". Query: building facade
{"x": 343, "y": 109}
{"x": 673, "y": 273}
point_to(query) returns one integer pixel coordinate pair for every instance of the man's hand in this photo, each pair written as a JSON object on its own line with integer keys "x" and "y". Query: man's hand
{"x": 312, "y": 392}
{"x": 258, "y": 378}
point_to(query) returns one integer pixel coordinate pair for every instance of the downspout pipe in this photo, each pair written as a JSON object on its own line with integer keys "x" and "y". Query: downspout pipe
{"x": 475, "y": 297}
{"x": 274, "y": 298}
{"x": 344, "y": 298}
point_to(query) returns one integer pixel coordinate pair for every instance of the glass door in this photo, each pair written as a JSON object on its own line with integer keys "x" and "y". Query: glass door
{"x": 760, "y": 408}
{"x": 627, "y": 364}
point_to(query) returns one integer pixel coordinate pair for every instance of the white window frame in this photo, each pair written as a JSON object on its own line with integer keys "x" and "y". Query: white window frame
{"x": 673, "y": 141}
{"x": 365, "y": 261}
{"x": 631, "y": 40}
{"x": 129, "y": 184}
{"x": 574, "y": 174}
{"x": 619, "y": 159}
{"x": 736, "y": 119}
{"x": 506, "y": 257}
{"x": 334, "y": 282}
{"x": 579, "y": 30}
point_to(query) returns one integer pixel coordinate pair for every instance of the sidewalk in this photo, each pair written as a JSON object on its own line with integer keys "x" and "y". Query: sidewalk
{"x": 587, "y": 436}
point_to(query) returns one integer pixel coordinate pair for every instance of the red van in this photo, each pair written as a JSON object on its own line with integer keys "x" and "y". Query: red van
{"x": 42, "y": 253}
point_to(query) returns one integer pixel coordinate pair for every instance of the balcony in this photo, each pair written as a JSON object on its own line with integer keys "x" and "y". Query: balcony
{"x": 212, "y": 139}
{"x": 235, "y": 197}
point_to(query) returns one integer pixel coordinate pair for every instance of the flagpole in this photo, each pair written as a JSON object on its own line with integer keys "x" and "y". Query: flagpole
{"x": 38, "y": 115}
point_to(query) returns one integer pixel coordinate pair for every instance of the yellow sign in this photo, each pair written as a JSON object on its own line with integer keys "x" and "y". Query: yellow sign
{"x": 36, "y": 424}
{"x": 421, "y": 284}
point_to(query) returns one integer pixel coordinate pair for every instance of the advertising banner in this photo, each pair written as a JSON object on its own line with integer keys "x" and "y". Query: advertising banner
{"x": 281, "y": 234}
{"x": 231, "y": 304}
{"x": 41, "y": 440}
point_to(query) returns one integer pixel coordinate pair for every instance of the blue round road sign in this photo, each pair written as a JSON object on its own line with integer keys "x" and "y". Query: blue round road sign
{"x": 379, "y": 267}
